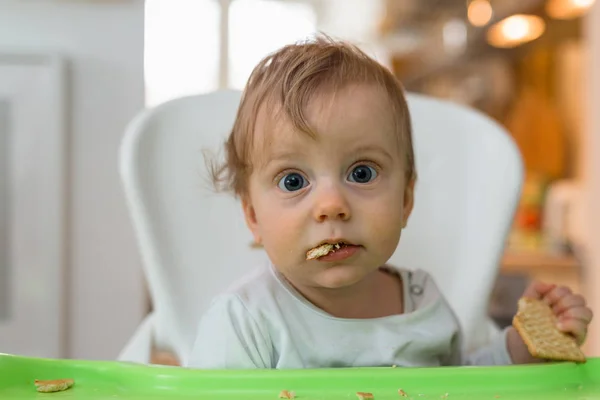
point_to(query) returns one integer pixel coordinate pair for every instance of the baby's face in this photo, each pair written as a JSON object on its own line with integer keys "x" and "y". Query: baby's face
{"x": 347, "y": 184}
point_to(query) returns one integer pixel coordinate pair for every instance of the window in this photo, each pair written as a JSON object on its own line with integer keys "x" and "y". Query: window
{"x": 259, "y": 27}
{"x": 185, "y": 40}
{"x": 181, "y": 55}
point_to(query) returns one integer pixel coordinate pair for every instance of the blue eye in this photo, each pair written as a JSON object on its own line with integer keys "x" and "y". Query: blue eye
{"x": 362, "y": 174}
{"x": 292, "y": 182}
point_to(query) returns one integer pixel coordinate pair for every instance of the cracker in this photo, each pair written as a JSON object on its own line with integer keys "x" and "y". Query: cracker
{"x": 57, "y": 385}
{"x": 319, "y": 251}
{"x": 364, "y": 396}
{"x": 536, "y": 324}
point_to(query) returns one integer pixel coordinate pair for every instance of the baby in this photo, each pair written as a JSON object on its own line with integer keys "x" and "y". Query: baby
{"x": 321, "y": 157}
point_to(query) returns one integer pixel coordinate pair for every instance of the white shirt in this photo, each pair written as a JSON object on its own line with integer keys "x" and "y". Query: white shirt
{"x": 263, "y": 322}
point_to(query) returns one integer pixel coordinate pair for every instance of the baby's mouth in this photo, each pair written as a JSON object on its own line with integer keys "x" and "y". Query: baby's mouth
{"x": 325, "y": 249}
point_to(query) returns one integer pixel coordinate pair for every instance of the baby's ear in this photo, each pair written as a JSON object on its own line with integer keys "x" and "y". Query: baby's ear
{"x": 409, "y": 201}
{"x": 251, "y": 222}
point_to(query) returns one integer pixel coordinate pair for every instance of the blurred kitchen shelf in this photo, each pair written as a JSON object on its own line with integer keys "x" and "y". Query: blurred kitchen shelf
{"x": 424, "y": 58}
{"x": 546, "y": 267}
{"x": 519, "y": 261}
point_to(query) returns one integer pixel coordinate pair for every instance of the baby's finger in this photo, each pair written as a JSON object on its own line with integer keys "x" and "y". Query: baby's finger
{"x": 553, "y": 296}
{"x": 567, "y": 302}
{"x": 583, "y": 314}
{"x": 575, "y": 327}
{"x": 537, "y": 290}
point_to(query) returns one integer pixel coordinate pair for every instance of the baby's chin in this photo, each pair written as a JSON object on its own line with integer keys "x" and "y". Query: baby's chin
{"x": 341, "y": 276}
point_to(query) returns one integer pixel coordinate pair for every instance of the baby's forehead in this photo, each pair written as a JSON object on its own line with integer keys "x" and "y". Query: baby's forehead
{"x": 274, "y": 133}
{"x": 356, "y": 110}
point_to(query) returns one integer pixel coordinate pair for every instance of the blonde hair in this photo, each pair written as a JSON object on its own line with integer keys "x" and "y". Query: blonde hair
{"x": 287, "y": 80}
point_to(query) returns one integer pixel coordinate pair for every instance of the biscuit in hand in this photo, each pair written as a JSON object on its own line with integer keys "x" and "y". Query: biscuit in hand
{"x": 536, "y": 324}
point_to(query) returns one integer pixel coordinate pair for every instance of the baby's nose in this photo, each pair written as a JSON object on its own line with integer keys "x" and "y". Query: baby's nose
{"x": 331, "y": 204}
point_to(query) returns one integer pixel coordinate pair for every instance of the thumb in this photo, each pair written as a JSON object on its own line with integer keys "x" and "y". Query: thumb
{"x": 537, "y": 290}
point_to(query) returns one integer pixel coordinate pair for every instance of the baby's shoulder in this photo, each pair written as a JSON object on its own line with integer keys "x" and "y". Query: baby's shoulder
{"x": 418, "y": 284}
{"x": 412, "y": 275}
{"x": 257, "y": 287}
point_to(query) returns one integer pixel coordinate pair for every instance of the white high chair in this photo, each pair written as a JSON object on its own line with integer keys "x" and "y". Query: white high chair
{"x": 194, "y": 243}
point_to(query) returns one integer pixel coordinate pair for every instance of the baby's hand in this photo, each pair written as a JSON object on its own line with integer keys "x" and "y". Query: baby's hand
{"x": 570, "y": 309}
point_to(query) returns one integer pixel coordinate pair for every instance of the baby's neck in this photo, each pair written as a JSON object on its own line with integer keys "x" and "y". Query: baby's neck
{"x": 378, "y": 295}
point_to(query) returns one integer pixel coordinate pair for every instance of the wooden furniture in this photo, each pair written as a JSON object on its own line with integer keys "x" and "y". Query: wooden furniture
{"x": 560, "y": 269}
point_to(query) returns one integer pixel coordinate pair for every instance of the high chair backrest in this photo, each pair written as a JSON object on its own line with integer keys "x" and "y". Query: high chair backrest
{"x": 194, "y": 242}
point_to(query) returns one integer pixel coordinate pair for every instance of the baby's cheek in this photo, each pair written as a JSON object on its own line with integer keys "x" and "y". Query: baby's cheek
{"x": 280, "y": 237}
{"x": 386, "y": 226}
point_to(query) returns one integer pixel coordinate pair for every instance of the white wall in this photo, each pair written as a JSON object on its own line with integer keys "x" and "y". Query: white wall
{"x": 104, "y": 46}
{"x": 591, "y": 146}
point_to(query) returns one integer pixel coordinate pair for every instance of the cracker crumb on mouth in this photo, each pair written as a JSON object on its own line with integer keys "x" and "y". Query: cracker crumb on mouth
{"x": 319, "y": 251}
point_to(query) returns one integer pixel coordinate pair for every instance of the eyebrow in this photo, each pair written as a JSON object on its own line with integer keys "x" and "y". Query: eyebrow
{"x": 283, "y": 154}
{"x": 280, "y": 155}
{"x": 372, "y": 149}
{"x": 286, "y": 154}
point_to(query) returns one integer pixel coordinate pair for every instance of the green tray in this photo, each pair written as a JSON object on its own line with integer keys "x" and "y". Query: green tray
{"x": 114, "y": 380}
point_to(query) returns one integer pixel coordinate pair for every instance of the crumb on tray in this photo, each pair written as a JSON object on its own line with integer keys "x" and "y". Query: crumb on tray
{"x": 286, "y": 394}
{"x": 57, "y": 385}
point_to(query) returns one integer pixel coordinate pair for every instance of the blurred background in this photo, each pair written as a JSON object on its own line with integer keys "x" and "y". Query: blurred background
{"x": 74, "y": 72}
